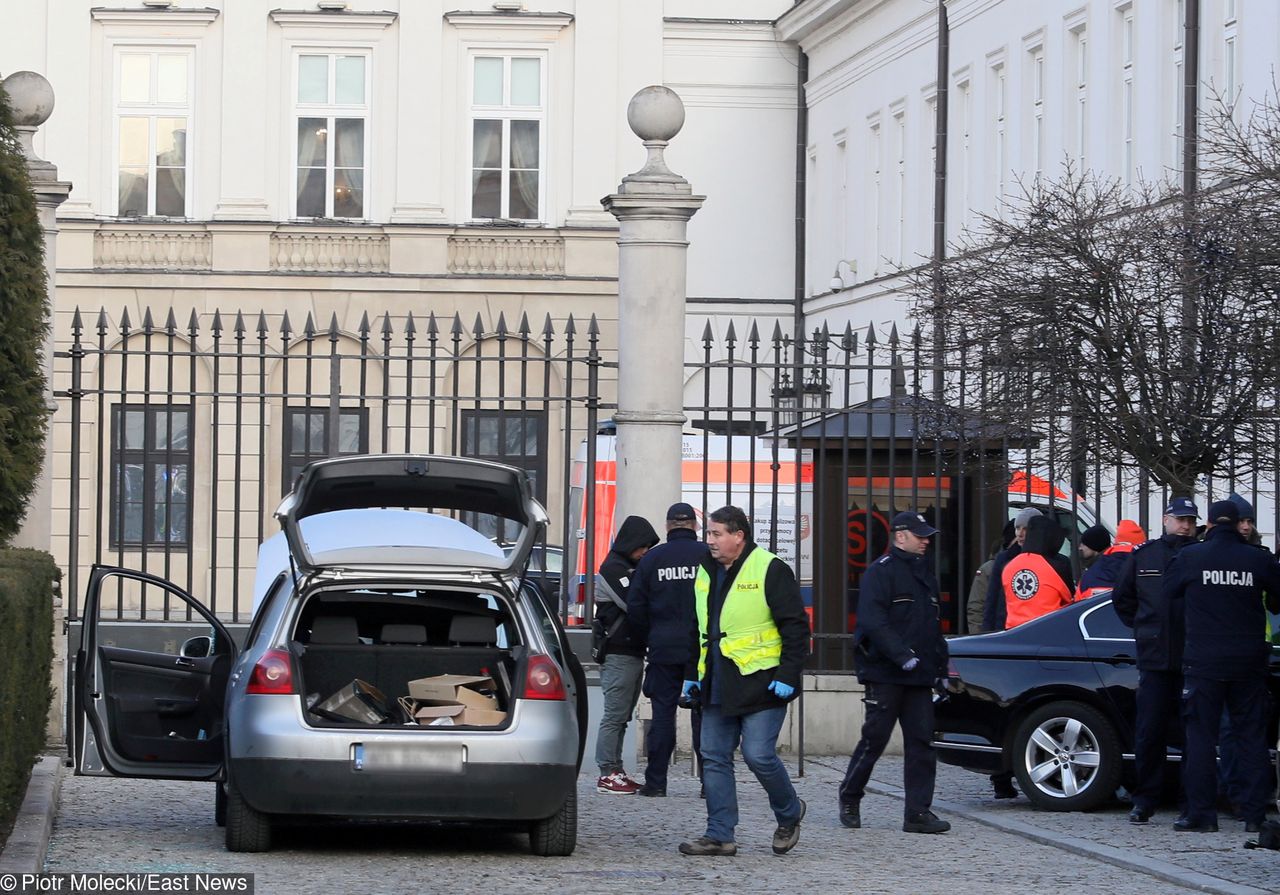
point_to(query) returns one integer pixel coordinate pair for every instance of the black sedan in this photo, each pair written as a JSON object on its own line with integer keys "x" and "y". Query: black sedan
{"x": 1053, "y": 701}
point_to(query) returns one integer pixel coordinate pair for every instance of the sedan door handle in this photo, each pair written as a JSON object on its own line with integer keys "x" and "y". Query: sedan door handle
{"x": 1123, "y": 659}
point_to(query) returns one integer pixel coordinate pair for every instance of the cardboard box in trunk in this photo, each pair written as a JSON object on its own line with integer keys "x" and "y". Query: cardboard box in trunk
{"x": 357, "y": 701}
{"x": 427, "y": 713}
{"x": 446, "y": 689}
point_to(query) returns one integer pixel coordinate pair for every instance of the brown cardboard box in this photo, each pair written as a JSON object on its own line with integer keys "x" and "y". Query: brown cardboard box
{"x": 443, "y": 689}
{"x": 455, "y": 713}
{"x": 357, "y": 701}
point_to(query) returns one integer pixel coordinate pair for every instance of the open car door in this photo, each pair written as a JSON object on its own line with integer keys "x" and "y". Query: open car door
{"x": 154, "y": 708}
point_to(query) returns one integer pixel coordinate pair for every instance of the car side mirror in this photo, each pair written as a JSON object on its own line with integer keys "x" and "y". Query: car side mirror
{"x": 196, "y": 647}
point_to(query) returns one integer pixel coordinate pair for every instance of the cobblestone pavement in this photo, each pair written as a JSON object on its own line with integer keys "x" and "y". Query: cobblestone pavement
{"x": 1221, "y": 855}
{"x": 626, "y": 844}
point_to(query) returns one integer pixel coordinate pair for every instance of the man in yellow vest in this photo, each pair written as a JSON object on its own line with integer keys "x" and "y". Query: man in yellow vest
{"x": 749, "y": 648}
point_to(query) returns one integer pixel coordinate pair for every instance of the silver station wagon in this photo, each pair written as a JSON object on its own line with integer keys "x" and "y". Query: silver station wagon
{"x": 315, "y": 717}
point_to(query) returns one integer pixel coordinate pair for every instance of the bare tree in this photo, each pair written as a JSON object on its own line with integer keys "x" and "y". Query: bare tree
{"x": 1142, "y": 336}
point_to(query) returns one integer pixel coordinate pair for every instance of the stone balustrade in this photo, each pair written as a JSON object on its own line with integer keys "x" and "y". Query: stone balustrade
{"x": 152, "y": 250}
{"x": 330, "y": 252}
{"x": 490, "y": 254}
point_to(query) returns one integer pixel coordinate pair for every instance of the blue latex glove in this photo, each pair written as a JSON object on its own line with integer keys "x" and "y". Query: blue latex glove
{"x": 910, "y": 664}
{"x": 688, "y": 686}
{"x": 781, "y": 690}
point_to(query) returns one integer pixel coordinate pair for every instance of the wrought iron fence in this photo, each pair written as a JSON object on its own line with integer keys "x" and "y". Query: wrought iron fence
{"x": 184, "y": 437}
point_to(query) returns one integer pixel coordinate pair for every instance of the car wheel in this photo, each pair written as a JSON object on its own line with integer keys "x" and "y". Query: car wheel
{"x": 248, "y": 829}
{"x": 219, "y": 805}
{"x": 558, "y": 834}
{"x": 1067, "y": 757}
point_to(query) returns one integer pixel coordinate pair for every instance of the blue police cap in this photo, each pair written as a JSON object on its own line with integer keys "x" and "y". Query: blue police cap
{"x": 1182, "y": 506}
{"x": 914, "y": 523}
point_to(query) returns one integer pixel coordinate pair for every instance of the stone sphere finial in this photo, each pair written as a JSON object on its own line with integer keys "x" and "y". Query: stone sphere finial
{"x": 30, "y": 97}
{"x": 655, "y": 113}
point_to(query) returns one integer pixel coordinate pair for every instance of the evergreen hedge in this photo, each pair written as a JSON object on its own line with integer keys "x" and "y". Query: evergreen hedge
{"x": 26, "y": 656}
{"x": 23, "y": 325}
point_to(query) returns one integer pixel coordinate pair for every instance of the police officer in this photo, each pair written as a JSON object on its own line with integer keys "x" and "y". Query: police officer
{"x": 660, "y": 611}
{"x": 1221, "y": 584}
{"x": 1144, "y": 606}
{"x": 899, "y": 653}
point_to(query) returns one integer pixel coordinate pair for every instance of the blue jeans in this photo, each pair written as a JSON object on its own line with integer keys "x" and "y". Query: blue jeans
{"x": 758, "y": 733}
{"x": 620, "y": 687}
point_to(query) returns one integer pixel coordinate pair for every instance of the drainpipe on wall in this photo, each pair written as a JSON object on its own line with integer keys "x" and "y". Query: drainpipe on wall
{"x": 940, "y": 193}
{"x": 802, "y": 143}
{"x": 1190, "y": 154}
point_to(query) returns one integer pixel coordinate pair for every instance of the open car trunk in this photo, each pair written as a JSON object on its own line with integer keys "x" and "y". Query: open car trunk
{"x": 388, "y": 639}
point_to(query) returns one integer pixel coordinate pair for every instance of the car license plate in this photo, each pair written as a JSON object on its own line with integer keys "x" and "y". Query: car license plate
{"x": 392, "y": 758}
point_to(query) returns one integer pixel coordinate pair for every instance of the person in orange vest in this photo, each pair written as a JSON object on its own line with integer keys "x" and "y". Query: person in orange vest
{"x": 1101, "y": 576}
{"x": 1038, "y": 580}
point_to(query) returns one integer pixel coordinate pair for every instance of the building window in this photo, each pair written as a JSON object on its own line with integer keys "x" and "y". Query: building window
{"x": 306, "y": 437}
{"x": 1127, "y": 98}
{"x": 929, "y": 162}
{"x": 150, "y": 475}
{"x": 900, "y": 187}
{"x": 1080, "y": 105}
{"x": 966, "y": 129}
{"x": 1230, "y": 64}
{"x": 873, "y": 207}
{"x": 515, "y": 437}
{"x": 1179, "y": 31}
{"x": 508, "y": 111}
{"x": 153, "y": 124}
{"x": 1000, "y": 112}
{"x": 332, "y": 114}
{"x": 1037, "y": 110}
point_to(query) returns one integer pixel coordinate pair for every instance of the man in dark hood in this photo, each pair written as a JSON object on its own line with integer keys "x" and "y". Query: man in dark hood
{"x": 624, "y": 657}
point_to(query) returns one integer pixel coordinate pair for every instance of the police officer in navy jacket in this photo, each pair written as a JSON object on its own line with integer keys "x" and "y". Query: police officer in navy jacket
{"x": 1220, "y": 584}
{"x": 661, "y": 613}
{"x": 1156, "y": 619}
{"x": 900, "y": 653}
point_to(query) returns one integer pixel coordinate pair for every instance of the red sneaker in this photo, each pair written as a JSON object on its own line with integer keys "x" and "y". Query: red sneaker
{"x": 617, "y": 784}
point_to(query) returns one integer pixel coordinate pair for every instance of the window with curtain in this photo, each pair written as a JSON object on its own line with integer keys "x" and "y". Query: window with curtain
{"x": 150, "y": 475}
{"x": 153, "y": 122}
{"x": 508, "y": 113}
{"x": 332, "y": 113}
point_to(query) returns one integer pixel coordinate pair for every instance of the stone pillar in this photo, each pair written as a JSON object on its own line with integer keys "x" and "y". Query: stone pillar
{"x": 653, "y": 207}
{"x": 31, "y": 99}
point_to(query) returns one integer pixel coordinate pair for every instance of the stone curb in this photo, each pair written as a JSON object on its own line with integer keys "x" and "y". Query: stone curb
{"x": 29, "y": 842}
{"x": 1162, "y": 870}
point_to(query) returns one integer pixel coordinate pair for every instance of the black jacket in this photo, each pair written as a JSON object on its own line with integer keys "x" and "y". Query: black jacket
{"x": 898, "y": 619}
{"x": 994, "y": 610}
{"x": 617, "y": 569}
{"x": 1142, "y": 604}
{"x": 660, "y": 604}
{"x": 1220, "y": 586}
{"x": 743, "y": 694}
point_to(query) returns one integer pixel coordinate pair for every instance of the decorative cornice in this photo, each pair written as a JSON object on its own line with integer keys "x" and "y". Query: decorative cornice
{"x": 543, "y": 21}
{"x": 153, "y": 16}
{"x": 340, "y": 18}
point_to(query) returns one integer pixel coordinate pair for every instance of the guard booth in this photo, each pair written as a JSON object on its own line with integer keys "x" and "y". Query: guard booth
{"x": 884, "y": 456}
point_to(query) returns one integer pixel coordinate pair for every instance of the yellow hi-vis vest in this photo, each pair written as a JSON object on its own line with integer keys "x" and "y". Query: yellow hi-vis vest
{"x": 750, "y": 637}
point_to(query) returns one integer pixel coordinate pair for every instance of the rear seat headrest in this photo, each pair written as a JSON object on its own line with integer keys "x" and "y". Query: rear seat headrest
{"x": 334, "y": 629}
{"x": 408, "y": 634}
{"x": 473, "y": 630}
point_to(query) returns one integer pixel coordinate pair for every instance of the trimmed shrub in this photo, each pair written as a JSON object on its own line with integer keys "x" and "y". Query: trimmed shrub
{"x": 26, "y": 655}
{"x": 23, "y": 324}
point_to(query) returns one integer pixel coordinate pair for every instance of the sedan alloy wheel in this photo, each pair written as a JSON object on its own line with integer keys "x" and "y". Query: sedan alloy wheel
{"x": 1067, "y": 757}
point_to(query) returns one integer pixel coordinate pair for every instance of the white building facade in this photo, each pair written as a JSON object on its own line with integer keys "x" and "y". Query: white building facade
{"x": 1032, "y": 86}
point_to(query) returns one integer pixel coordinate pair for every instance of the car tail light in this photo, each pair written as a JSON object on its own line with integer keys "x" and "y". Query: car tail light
{"x": 951, "y": 670}
{"x": 273, "y": 674}
{"x": 542, "y": 680}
